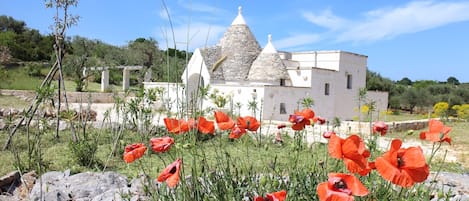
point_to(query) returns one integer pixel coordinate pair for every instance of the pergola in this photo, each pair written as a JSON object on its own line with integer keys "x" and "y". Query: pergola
{"x": 125, "y": 75}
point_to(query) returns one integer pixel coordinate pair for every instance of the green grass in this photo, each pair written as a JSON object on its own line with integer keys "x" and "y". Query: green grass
{"x": 19, "y": 79}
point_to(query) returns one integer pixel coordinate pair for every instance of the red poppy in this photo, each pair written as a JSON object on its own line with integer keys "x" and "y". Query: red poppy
{"x": 437, "y": 132}
{"x": 237, "y": 132}
{"x": 206, "y": 127}
{"x": 301, "y": 118}
{"x": 248, "y": 122}
{"x": 170, "y": 174}
{"x": 176, "y": 126}
{"x": 328, "y": 134}
{"x": 319, "y": 119}
{"x": 352, "y": 150}
{"x": 403, "y": 166}
{"x": 133, "y": 152}
{"x": 161, "y": 144}
{"x": 281, "y": 125}
{"x": 275, "y": 196}
{"x": 380, "y": 127}
{"x": 224, "y": 122}
{"x": 341, "y": 187}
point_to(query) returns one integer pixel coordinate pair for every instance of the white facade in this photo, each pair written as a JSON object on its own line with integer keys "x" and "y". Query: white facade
{"x": 331, "y": 78}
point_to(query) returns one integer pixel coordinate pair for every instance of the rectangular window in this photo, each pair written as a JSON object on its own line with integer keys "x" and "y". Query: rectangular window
{"x": 282, "y": 82}
{"x": 349, "y": 81}
{"x": 326, "y": 89}
{"x": 283, "y": 110}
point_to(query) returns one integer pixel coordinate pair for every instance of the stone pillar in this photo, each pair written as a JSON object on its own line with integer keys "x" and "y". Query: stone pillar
{"x": 147, "y": 77}
{"x": 104, "y": 80}
{"x": 125, "y": 79}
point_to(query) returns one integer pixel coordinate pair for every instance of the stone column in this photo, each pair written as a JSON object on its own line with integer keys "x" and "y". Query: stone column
{"x": 125, "y": 79}
{"x": 104, "y": 80}
{"x": 147, "y": 77}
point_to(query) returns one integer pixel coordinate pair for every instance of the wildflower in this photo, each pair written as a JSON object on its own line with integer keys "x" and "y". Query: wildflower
{"x": 248, "y": 122}
{"x": 170, "y": 174}
{"x": 319, "y": 119}
{"x": 206, "y": 127}
{"x": 380, "y": 127}
{"x": 281, "y": 125}
{"x": 278, "y": 138}
{"x": 437, "y": 132}
{"x": 133, "y": 152}
{"x": 161, "y": 144}
{"x": 224, "y": 122}
{"x": 275, "y": 196}
{"x": 352, "y": 150}
{"x": 403, "y": 166}
{"x": 177, "y": 126}
{"x": 328, "y": 134}
{"x": 301, "y": 118}
{"x": 341, "y": 187}
{"x": 237, "y": 132}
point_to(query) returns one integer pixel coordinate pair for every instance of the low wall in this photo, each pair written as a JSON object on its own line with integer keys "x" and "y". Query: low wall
{"x": 72, "y": 97}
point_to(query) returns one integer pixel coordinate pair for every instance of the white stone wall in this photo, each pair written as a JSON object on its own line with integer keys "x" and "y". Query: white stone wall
{"x": 300, "y": 77}
{"x": 346, "y": 104}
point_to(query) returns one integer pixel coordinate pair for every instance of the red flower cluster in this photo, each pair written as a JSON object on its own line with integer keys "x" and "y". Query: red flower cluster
{"x": 161, "y": 144}
{"x": 340, "y": 187}
{"x": 301, "y": 119}
{"x": 403, "y": 166}
{"x": 380, "y": 127}
{"x": 353, "y": 152}
{"x": 238, "y": 129}
{"x": 437, "y": 132}
{"x": 133, "y": 152}
{"x": 179, "y": 126}
{"x": 170, "y": 174}
{"x": 275, "y": 196}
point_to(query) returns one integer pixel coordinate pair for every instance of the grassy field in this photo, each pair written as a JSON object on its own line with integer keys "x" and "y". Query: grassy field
{"x": 19, "y": 79}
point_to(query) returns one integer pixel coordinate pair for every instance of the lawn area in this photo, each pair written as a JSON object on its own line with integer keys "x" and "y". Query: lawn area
{"x": 19, "y": 79}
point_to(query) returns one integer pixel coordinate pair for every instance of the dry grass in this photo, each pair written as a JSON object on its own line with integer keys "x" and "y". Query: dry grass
{"x": 12, "y": 102}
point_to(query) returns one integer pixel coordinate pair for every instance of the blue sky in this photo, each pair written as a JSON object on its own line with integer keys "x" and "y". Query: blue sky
{"x": 415, "y": 39}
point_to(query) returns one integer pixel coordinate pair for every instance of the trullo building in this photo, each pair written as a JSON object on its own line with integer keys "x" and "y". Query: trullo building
{"x": 270, "y": 83}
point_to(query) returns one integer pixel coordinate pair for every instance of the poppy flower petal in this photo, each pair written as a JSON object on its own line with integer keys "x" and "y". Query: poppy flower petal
{"x": 277, "y": 196}
{"x": 171, "y": 173}
{"x": 419, "y": 174}
{"x": 322, "y": 191}
{"x": 224, "y": 122}
{"x": 335, "y": 146}
{"x": 205, "y": 126}
{"x": 355, "y": 185}
{"x": 413, "y": 157}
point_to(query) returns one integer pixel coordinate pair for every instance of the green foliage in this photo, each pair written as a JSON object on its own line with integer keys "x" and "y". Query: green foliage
{"x": 24, "y": 43}
{"x": 452, "y": 80}
{"x": 375, "y": 82}
{"x": 405, "y": 81}
{"x": 307, "y": 102}
{"x": 84, "y": 152}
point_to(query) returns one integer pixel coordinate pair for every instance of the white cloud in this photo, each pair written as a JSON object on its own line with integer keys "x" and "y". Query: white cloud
{"x": 390, "y": 22}
{"x": 200, "y": 35}
{"x": 296, "y": 40}
{"x": 411, "y": 18}
{"x": 325, "y": 19}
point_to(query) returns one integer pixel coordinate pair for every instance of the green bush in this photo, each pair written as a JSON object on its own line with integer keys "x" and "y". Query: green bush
{"x": 84, "y": 152}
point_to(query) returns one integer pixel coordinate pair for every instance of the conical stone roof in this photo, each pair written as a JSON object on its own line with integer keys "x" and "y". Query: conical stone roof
{"x": 268, "y": 65}
{"x": 240, "y": 48}
{"x": 212, "y": 58}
